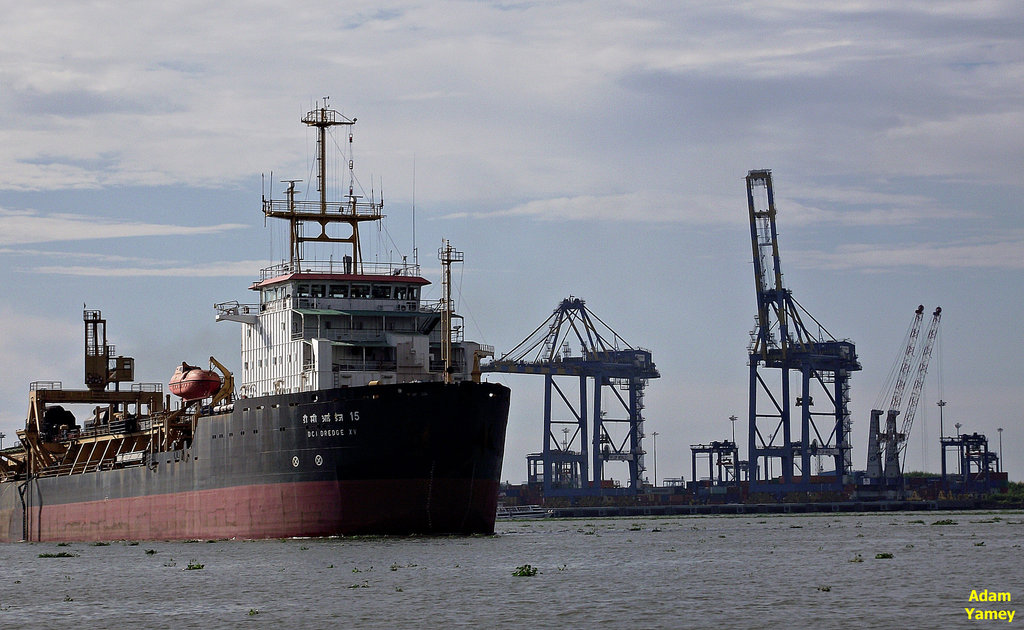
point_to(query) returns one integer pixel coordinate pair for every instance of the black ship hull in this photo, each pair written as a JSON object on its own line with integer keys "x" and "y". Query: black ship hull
{"x": 416, "y": 458}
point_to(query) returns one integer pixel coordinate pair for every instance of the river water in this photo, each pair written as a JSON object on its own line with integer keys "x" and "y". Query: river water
{"x": 779, "y": 571}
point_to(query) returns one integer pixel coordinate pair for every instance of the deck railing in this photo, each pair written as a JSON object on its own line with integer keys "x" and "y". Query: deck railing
{"x": 332, "y": 266}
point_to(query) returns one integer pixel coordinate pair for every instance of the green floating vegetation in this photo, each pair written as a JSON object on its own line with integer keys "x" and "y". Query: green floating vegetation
{"x": 883, "y": 556}
{"x": 59, "y": 554}
{"x": 945, "y": 521}
{"x": 194, "y": 566}
{"x": 979, "y": 544}
{"x": 916, "y": 522}
{"x": 100, "y": 543}
{"x": 150, "y": 552}
{"x": 857, "y": 558}
{"x": 63, "y": 544}
{"x": 253, "y": 611}
{"x": 525, "y": 570}
{"x": 824, "y": 588}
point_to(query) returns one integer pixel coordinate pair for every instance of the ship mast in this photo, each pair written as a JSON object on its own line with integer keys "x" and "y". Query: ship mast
{"x": 448, "y": 255}
{"x": 325, "y": 212}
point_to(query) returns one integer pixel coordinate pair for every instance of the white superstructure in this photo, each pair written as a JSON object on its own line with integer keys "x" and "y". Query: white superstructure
{"x": 321, "y": 324}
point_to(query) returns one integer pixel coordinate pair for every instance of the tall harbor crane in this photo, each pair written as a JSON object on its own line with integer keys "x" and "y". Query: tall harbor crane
{"x": 894, "y": 389}
{"x": 814, "y": 363}
{"x": 574, "y": 343}
{"x": 891, "y": 444}
{"x": 897, "y": 442}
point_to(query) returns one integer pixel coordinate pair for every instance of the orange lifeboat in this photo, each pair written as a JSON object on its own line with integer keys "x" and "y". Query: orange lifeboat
{"x": 194, "y": 383}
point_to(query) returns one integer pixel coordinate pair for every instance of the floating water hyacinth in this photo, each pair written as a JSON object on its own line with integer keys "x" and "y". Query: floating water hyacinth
{"x": 525, "y": 570}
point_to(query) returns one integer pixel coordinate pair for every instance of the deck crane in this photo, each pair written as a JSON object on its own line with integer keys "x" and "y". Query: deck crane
{"x": 876, "y": 438}
{"x": 820, "y": 363}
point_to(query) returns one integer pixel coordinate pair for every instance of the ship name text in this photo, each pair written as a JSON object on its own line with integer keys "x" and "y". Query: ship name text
{"x": 319, "y": 425}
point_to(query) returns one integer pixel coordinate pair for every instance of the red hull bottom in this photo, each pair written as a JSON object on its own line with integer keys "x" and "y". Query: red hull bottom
{"x": 322, "y": 508}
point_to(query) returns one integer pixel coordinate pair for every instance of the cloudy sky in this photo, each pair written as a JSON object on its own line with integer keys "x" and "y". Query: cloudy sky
{"x": 594, "y": 149}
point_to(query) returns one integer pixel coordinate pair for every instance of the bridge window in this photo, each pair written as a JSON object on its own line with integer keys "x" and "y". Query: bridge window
{"x": 382, "y": 291}
{"x": 360, "y": 291}
{"x": 339, "y": 291}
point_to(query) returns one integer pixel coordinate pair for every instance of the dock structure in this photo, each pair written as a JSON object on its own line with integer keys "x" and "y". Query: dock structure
{"x": 581, "y": 435}
{"x": 722, "y": 458}
{"x": 977, "y": 466}
{"x": 788, "y": 428}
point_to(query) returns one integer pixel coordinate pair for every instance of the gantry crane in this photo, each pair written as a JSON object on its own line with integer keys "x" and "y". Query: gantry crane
{"x": 575, "y": 343}
{"x": 782, "y": 341}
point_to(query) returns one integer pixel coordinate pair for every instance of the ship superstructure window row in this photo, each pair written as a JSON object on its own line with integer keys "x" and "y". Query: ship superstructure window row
{"x": 354, "y": 290}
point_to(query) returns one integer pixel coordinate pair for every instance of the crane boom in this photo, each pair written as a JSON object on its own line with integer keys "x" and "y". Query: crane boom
{"x": 922, "y": 370}
{"x": 908, "y": 356}
{"x": 878, "y": 439}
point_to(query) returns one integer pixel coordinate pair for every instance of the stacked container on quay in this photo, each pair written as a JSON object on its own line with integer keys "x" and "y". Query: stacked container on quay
{"x": 358, "y": 410}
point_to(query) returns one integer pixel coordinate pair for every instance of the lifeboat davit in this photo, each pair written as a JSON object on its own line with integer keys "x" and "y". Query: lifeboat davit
{"x": 194, "y": 383}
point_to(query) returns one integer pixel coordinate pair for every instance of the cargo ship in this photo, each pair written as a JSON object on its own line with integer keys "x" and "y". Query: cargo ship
{"x": 358, "y": 409}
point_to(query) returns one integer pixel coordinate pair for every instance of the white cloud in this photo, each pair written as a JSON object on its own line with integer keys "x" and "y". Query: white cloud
{"x": 1006, "y": 252}
{"x": 506, "y": 90}
{"x": 28, "y": 226}
{"x": 963, "y": 146}
{"x": 624, "y": 207}
{"x": 154, "y": 269}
